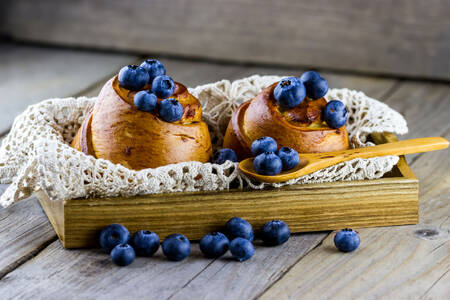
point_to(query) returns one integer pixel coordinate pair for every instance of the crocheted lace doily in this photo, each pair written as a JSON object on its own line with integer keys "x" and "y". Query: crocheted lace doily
{"x": 36, "y": 154}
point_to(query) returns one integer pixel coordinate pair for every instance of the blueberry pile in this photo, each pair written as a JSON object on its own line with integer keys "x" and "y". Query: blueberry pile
{"x": 115, "y": 239}
{"x": 238, "y": 237}
{"x": 152, "y": 72}
{"x": 292, "y": 91}
{"x": 269, "y": 161}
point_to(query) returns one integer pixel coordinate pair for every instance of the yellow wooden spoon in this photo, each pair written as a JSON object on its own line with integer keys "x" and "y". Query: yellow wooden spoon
{"x": 311, "y": 162}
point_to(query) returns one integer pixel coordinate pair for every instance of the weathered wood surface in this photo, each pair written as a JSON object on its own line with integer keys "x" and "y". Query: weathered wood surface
{"x": 31, "y": 74}
{"x": 81, "y": 270}
{"x": 396, "y": 37}
{"x": 24, "y": 231}
{"x": 90, "y": 274}
{"x": 392, "y": 262}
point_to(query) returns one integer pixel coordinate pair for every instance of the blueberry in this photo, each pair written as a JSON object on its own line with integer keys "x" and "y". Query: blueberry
{"x": 289, "y": 158}
{"x": 133, "y": 77}
{"x": 275, "y": 233}
{"x": 335, "y": 114}
{"x": 264, "y": 144}
{"x": 154, "y": 68}
{"x": 222, "y": 155}
{"x": 170, "y": 110}
{"x": 123, "y": 255}
{"x": 241, "y": 249}
{"x": 176, "y": 247}
{"x": 237, "y": 227}
{"x": 289, "y": 92}
{"x": 316, "y": 86}
{"x": 214, "y": 244}
{"x": 163, "y": 86}
{"x": 113, "y": 235}
{"x": 346, "y": 240}
{"x": 145, "y": 101}
{"x": 145, "y": 242}
{"x": 267, "y": 163}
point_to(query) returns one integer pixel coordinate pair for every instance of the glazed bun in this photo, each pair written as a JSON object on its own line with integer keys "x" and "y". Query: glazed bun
{"x": 118, "y": 131}
{"x": 300, "y": 127}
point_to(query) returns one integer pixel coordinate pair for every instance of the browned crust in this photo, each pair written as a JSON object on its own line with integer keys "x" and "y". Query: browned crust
{"x": 261, "y": 117}
{"x": 117, "y": 131}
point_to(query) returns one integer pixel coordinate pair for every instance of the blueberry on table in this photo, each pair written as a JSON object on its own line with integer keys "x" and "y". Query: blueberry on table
{"x": 176, "y": 247}
{"x": 316, "y": 86}
{"x": 289, "y": 158}
{"x": 123, "y": 255}
{"x": 133, "y": 77}
{"x": 275, "y": 233}
{"x": 214, "y": 244}
{"x": 335, "y": 114}
{"x": 222, "y": 155}
{"x": 267, "y": 163}
{"x": 237, "y": 227}
{"x": 154, "y": 68}
{"x": 242, "y": 249}
{"x": 346, "y": 240}
{"x": 263, "y": 144}
{"x": 113, "y": 235}
{"x": 289, "y": 92}
{"x": 170, "y": 110}
{"x": 163, "y": 86}
{"x": 145, "y": 101}
{"x": 145, "y": 242}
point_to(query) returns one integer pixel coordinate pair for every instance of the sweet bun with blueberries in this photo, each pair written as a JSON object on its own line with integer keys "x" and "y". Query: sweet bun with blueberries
{"x": 295, "y": 113}
{"x": 143, "y": 119}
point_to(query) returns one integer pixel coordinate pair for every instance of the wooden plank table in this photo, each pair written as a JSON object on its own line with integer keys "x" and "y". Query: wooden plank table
{"x": 392, "y": 262}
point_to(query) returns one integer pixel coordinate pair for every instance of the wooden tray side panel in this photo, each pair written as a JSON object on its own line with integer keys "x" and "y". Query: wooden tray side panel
{"x": 314, "y": 207}
{"x": 392, "y": 200}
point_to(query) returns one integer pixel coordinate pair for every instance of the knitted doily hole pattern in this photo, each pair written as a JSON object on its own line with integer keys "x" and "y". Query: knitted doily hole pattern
{"x": 36, "y": 154}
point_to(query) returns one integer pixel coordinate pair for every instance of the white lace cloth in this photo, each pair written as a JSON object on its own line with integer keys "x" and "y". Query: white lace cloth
{"x": 36, "y": 154}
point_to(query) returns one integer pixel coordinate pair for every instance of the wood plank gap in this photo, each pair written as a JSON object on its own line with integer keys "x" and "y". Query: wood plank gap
{"x": 16, "y": 264}
{"x": 192, "y": 279}
{"x": 434, "y": 283}
{"x": 227, "y": 62}
{"x": 231, "y": 62}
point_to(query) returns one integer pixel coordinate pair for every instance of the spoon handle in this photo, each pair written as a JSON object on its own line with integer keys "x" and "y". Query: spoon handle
{"x": 399, "y": 148}
{"x": 395, "y": 148}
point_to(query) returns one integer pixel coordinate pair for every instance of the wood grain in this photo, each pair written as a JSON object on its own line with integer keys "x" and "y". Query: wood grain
{"x": 402, "y": 37}
{"x": 400, "y": 262}
{"x": 397, "y": 262}
{"x": 32, "y": 74}
{"x": 24, "y": 231}
{"x": 312, "y": 207}
{"x": 89, "y": 274}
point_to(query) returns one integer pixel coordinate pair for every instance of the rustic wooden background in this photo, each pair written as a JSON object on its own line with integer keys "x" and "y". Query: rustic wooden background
{"x": 231, "y": 41}
{"x": 402, "y": 37}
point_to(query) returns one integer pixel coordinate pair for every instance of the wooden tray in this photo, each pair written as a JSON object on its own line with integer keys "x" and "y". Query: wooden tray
{"x": 391, "y": 200}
